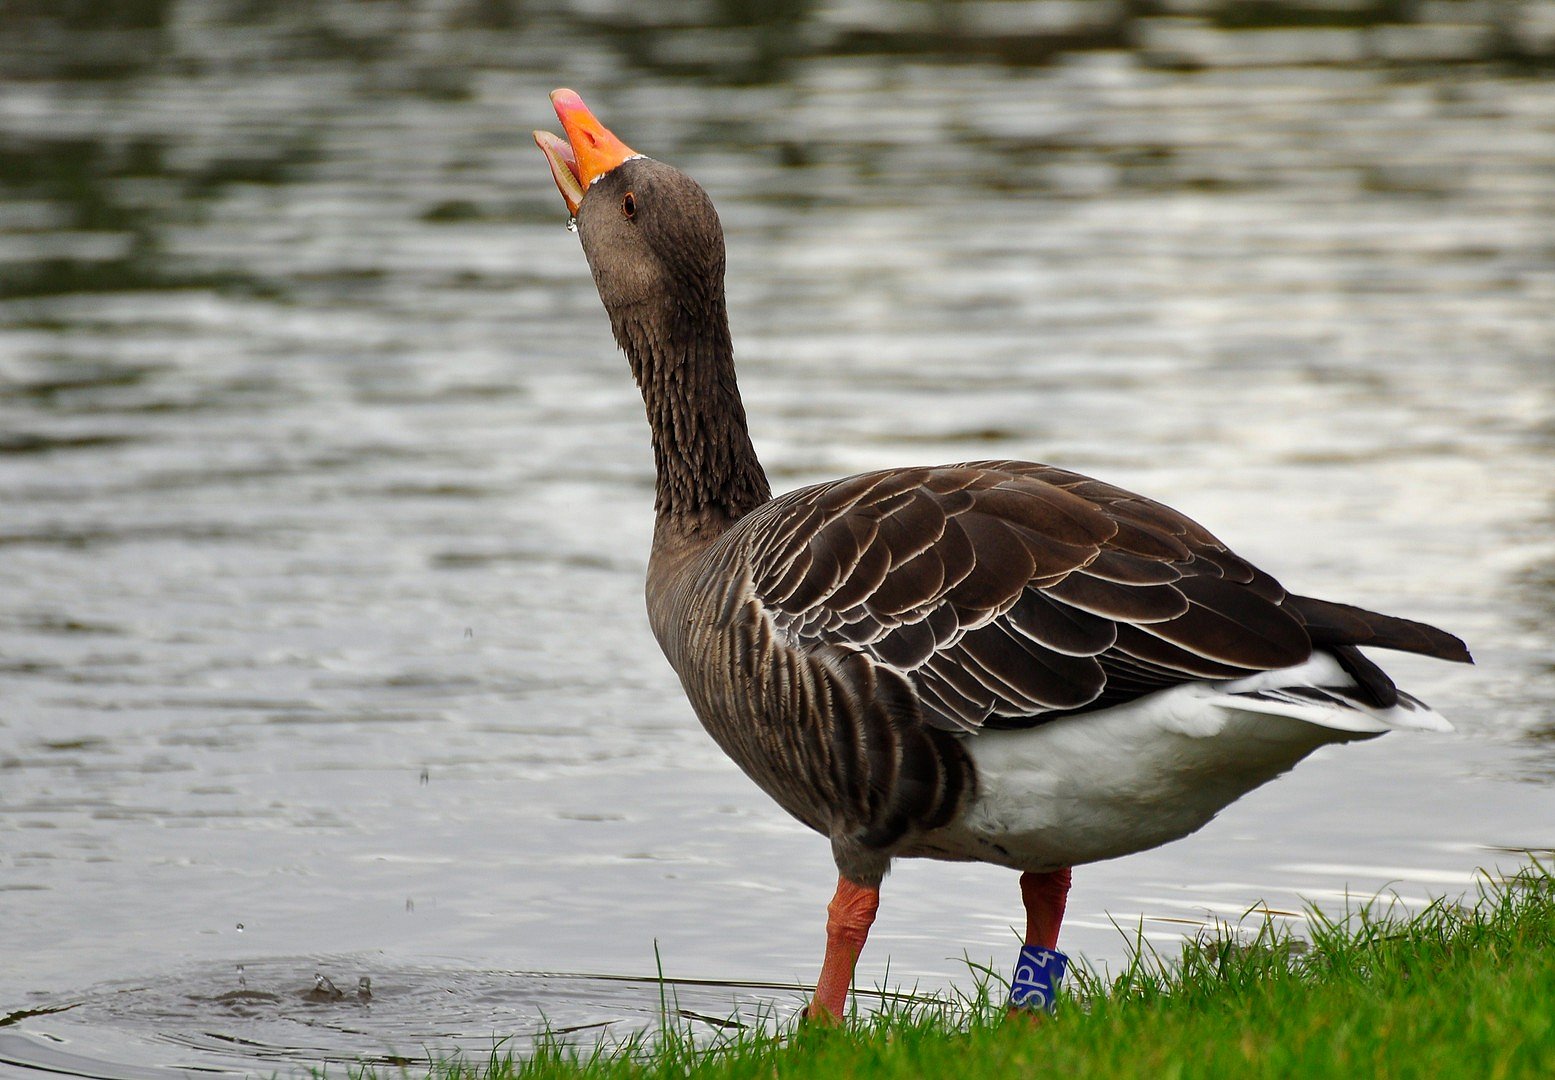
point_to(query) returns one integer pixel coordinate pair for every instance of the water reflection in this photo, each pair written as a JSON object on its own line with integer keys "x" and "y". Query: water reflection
{"x": 324, "y": 497}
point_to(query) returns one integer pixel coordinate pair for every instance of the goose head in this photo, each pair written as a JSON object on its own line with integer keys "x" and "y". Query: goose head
{"x": 649, "y": 231}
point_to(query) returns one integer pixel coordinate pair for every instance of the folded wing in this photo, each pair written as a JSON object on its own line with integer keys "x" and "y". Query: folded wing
{"x": 1010, "y": 593}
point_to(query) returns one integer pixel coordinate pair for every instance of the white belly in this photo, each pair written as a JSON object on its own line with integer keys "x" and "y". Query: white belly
{"x": 1099, "y": 785}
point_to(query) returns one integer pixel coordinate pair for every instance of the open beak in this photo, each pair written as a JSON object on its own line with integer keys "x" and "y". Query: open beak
{"x": 588, "y": 152}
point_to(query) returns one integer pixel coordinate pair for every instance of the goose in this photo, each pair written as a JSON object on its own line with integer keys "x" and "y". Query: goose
{"x": 994, "y": 661}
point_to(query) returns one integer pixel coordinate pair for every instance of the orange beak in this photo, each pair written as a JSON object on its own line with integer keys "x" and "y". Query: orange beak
{"x": 589, "y": 152}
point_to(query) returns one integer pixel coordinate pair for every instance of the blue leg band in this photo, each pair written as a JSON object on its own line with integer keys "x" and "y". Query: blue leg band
{"x": 1038, "y": 972}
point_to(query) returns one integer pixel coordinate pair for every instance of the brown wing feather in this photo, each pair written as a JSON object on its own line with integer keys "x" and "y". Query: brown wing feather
{"x": 1010, "y": 592}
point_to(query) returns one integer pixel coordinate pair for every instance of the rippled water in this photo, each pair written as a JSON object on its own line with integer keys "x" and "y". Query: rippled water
{"x": 325, "y": 498}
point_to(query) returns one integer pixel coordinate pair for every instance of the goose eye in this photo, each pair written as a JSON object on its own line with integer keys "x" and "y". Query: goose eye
{"x": 628, "y": 205}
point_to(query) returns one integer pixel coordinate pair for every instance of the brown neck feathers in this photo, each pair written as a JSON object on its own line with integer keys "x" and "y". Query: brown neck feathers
{"x": 683, "y": 360}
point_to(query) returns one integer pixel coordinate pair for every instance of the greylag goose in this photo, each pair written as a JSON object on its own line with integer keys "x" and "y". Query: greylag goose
{"x": 996, "y": 661}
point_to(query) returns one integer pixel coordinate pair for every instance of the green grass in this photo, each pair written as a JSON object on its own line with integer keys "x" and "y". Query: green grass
{"x": 1450, "y": 991}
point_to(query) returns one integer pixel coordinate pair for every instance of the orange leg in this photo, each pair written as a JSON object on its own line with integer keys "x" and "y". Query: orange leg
{"x": 1044, "y": 896}
{"x": 848, "y": 918}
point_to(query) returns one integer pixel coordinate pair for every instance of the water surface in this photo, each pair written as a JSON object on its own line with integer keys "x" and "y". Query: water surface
{"x": 325, "y": 497}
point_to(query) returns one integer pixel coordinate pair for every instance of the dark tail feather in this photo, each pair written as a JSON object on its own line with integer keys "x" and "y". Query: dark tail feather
{"x": 1372, "y": 680}
{"x": 1331, "y": 624}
